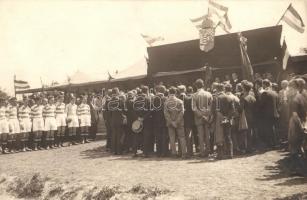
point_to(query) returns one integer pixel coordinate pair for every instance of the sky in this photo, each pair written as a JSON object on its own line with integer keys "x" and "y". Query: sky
{"x": 49, "y": 40}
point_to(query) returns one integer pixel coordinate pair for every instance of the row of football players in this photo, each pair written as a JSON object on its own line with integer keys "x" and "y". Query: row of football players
{"x": 42, "y": 125}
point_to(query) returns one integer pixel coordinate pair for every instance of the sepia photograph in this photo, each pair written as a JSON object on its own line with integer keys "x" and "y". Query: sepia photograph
{"x": 153, "y": 100}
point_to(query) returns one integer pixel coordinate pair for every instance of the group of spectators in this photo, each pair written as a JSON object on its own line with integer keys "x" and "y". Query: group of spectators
{"x": 226, "y": 118}
{"x": 230, "y": 117}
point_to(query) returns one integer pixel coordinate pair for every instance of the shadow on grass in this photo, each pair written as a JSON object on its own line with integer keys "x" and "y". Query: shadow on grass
{"x": 292, "y": 169}
{"x": 97, "y": 152}
{"x": 298, "y": 196}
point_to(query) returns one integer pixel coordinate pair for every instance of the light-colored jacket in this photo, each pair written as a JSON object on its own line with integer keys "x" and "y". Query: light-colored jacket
{"x": 173, "y": 111}
{"x": 201, "y": 105}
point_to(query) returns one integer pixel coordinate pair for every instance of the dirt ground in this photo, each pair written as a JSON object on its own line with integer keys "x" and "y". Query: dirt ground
{"x": 88, "y": 172}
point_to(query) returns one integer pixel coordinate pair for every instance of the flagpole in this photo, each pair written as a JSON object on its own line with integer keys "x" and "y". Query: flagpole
{"x": 14, "y": 85}
{"x": 283, "y": 14}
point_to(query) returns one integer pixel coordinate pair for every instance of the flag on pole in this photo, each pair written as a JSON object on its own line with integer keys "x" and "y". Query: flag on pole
{"x": 247, "y": 69}
{"x": 21, "y": 85}
{"x": 285, "y": 56}
{"x": 293, "y": 19}
{"x": 150, "y": 40}
{"x": 206, "y": 35}
{"x": 216, "y": 6}
{"x": 220, "y": 12}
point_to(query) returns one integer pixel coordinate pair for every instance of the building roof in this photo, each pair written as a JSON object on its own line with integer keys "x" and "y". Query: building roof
{"x": 263, "y": 46}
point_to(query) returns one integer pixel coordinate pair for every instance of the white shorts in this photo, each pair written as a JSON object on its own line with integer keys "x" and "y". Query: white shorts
{"x": 50, "y": 124}
{"x": 60, "y": 120}
{"x": 74, "y": 121}
{"x": 85, "y": 120}
{"x": 25, "y": 125}
{"x": 4, "y": 126}
{"x": 38, "y": 124}
{"x": 14, "y": 126}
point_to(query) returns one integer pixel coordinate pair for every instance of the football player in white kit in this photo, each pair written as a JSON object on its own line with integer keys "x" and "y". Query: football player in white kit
{"x": 37, "y": 123}
{"x": 50, "y": 122}
{"x": 4, "y": 126}
{"x": 84, "y": 115}
{"x": 60, "y": 116}
{"x": 25, "y": 124}
{"x": 72, "y": 120}
{"x": 14, "y": 128}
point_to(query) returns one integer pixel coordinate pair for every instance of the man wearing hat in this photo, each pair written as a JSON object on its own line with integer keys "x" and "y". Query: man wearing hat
{"x": 50, "y": 122}
{"x": 60, "y": 116}
{"x": 4, "y": 126}
{"x": 37, "y": 123}
{"x": 72, "y": 120}
{"x": 84, "y": 116}
{"x": 25, "y": 124}
{"x": 14, "y": 127}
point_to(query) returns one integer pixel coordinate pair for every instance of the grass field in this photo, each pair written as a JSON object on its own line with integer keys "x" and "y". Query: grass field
{"x": 88, "y": 172}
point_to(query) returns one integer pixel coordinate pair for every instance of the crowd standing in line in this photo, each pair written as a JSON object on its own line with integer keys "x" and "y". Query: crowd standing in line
{"x": 41, "y": 122}
{"x": 227, "y": 118}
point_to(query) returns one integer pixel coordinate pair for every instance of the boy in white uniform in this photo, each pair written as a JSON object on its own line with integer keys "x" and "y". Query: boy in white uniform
{"x": 37, "y": 123}
{"x": 4, "y": 125}
{"x": 25, "y": 124}
{"x": 84, "y": 115}
{"x": 14, "y": 128}
{"x": 50, "y": 122}
{"x": 60, "y": 116}
{"x": 72, "y": 120}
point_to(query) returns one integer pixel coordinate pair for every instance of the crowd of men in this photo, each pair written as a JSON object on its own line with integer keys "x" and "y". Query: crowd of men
{"x": 43, "y": 122}
{"x": 230, "y": 117}
{"x": 219, "y": 120}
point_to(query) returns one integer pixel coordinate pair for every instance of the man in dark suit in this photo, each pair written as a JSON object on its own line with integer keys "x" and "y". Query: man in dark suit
{"x": 142, "y": 110}
{"x": 269, "y": 113}
{"x": 116, "y": 107}
{"x": 188, "y": 116}
{"x": 159, "y": 123}
{"x": 107, "y": 118}
{"x": 247, "y": 105}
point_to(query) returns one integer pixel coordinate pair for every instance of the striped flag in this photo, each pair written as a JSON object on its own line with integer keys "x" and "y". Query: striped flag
{"x": 247, "y": 69}
{"x": 285, "y": 56}
{"x": 221, "y": 13}
{"x": 293, "y": 19}
{"x": 150, "y": 40}
{"x": 21, "y": 85}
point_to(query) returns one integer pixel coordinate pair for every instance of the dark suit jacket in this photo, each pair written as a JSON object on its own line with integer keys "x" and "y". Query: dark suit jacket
{"x": 188, "y": 115}
{"x": 157, "y": 107}
{"x": 269, "y": 104}
{"x": 248, "y": 105}
{"x": 142, "y": 108}
{"x": 116, "y": 107}
{"x": 224, "y": 104}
